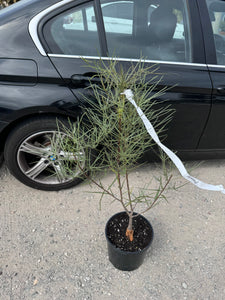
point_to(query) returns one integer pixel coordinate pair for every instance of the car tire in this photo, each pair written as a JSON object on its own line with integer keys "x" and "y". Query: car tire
{"x": 30, "y": 158}
{"x": 1, "y": 158}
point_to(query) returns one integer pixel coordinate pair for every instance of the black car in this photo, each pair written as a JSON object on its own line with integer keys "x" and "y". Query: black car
{"x": 42, "y": 72}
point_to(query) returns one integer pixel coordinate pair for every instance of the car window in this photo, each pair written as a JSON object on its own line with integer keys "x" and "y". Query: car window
{"x": 151, "y": 31}
{"x": 118, "y": 16}
{"x": 73, "y": 32}
{"x": 179, "y": 29}
{"x": 217, "y": 17}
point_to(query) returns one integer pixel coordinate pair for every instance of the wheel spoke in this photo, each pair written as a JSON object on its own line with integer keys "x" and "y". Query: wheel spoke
{"x": 56, "y": 139}
{"x": 71, "y": 156}
{"x": 42, "y": 159}
{"x": 79, "y": 157}
{"x": 39, "y": 167}
{"x": 60, "y": 172}
{"x": 31, "y": 149}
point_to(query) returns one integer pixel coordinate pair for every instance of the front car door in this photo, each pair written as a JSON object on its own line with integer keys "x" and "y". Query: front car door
{"x": 213, "y": 20}
{"x": 166, "y": 33}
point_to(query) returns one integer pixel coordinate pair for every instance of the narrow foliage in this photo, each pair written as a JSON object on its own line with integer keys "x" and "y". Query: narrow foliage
{"x": 110, "y": 136}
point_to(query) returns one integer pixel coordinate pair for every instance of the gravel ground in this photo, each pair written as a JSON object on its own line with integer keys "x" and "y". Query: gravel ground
{"x": 53, "y": 244}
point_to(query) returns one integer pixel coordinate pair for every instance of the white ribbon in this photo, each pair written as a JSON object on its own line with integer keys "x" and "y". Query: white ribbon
{"x": 175, "y": 159}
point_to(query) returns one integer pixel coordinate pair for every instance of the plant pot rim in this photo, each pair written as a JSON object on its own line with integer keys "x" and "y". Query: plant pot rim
{"x": 131, "y": 252}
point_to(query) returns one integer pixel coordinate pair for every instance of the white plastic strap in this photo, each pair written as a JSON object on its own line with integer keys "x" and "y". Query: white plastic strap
{"x": 175, "y": 159}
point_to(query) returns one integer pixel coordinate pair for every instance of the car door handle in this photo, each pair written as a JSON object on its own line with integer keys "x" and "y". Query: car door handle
{"x": 221, "y": 89}
{"x": 84, "y": 79}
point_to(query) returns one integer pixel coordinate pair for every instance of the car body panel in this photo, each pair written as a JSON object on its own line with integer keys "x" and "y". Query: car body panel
{"x": 214, "y": 134}
{"x": 53, "y": 91}
{"x": 41, "y": 90}
{"x": 190, "y": 97}
{"x": 18, "y": 72}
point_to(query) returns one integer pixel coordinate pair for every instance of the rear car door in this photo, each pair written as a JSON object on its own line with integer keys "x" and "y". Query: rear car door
{"x": 163, "y": 33}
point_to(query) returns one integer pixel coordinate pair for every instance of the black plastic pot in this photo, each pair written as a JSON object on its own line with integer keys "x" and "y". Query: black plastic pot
{"x": 122, "y": 259}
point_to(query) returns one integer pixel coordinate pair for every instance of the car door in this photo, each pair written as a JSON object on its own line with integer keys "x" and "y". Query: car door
{"x": 213, "y": 23}
{"x": 166, "y": 35}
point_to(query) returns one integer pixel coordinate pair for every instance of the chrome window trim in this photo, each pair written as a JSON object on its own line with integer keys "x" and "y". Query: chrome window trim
{"x": 33, "y": 25}
{"x": 33, "y": 30}
{"x": 216, "y": 66}
{"x": 128, "y": 59}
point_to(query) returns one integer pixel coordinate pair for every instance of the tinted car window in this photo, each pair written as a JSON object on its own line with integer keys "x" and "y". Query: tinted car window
{"x": 118, "y": 17}
{"x": 179, "y": 29}
{"x": 73, "y": 32}
{"x": 217, "y": 17}
{"x": 122, "y": 10}
{"x": 161, "y": 34}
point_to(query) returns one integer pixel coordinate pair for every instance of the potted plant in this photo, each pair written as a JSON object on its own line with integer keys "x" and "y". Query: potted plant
{"x": 110, "y": 126}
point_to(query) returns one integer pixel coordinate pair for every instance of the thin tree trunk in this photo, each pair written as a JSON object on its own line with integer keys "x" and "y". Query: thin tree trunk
{"x": 130, "y": 231}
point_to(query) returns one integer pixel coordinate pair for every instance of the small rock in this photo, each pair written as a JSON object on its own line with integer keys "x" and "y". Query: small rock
{"x": 184, "y": 285}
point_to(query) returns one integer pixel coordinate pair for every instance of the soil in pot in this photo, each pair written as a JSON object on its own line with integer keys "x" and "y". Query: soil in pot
{"x": 123, "y": 254}
{"x": 116, "y": 232}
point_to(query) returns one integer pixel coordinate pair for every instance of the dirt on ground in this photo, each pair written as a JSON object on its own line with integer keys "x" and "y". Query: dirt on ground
{"x": 52, "y": 244}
